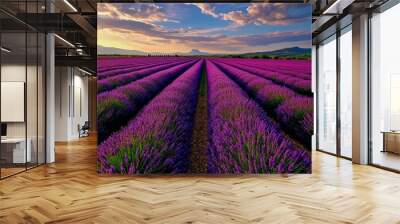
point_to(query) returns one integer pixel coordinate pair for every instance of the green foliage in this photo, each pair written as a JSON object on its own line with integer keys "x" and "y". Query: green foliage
{"x": 113, "y": 103}
{"x": 134, "y": 153}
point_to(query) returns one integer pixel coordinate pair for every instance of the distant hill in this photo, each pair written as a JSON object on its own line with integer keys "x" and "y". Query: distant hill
{"x": 293, "y": 52}
{"x": 117, "y": 51}
{"x": 195, "y": 52}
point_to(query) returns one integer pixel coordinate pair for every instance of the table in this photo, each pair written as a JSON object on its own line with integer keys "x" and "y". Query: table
{"x": 391, "y": 141}
{"x": 16, "y": 147}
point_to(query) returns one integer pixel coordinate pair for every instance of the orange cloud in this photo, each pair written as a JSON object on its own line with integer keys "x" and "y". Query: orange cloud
{"x": 149, "y": 13}
{"x": 267, "y": 14}
{"x": 205, "y": 8}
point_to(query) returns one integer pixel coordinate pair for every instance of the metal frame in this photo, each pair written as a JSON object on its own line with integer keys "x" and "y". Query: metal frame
{"x": 338, "y": 97}
{"x": 369, "y": 98}
{"x": 45, "y": 90}
{"x": 26, "y": 89}
{"x": 0, "y": 91}
{"x": 37, "y": 92}
{"x": 316, "y": 98}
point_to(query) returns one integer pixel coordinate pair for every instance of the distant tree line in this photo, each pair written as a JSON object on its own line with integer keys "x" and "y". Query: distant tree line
{"x": 295, "y": 57}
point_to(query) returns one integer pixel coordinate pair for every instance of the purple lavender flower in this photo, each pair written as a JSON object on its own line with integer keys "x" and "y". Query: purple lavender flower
{"x": 109, "y": 83}
{"x": 297, "y": 113}
{"x": 283, "y": 78}
{"x": 241, "y": 137}
{"x": 157, "y": 140}
{"x": 116, "y": 107}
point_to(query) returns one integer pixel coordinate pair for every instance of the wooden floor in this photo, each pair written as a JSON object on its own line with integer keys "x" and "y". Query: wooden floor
{"x": 70, "y": 191}
{"x": 387, "y": 159}
{"x": 5, "y": 172}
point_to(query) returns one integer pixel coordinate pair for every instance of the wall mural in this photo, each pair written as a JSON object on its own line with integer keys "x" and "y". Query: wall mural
{"x": 204, "y": 88}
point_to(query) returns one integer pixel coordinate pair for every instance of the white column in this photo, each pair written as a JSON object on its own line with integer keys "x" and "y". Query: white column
{"x": 50, "y": 98}
{"x": 360, "y": 90}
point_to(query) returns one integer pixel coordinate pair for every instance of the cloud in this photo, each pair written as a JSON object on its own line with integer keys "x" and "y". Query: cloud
{"x": 148, "y": 13}
{"x": 153, "y": 31}
{"x": 274, "y": 37}
{"x": 261, "y": 13}
{"x": 237, "y": 17}
{"x": 270, "y": 14}
{"x": 206, "y": 9}
{"x": 155, "y": 36}
{"x": 129, "y": 26}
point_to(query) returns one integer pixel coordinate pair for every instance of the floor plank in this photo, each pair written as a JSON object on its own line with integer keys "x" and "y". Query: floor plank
{"x": 71, "y": 191}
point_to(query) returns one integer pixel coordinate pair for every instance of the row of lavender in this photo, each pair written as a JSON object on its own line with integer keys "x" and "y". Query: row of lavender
{"x": 291, "y": 109}
{"x": 298, "y": 68}
{"x": 132, "y": 74}
{"x": 138, "y": 65}
{"x": 299, "y": 83}
{"x": 116, "y": 106}
{"x": 111, "y": 63}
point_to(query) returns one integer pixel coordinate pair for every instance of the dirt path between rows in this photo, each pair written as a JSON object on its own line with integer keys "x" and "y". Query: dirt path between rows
{"x": 198, "y": 157}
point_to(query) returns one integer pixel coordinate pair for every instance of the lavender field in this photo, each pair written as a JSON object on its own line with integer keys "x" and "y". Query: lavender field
{"x": 192, "y": 114}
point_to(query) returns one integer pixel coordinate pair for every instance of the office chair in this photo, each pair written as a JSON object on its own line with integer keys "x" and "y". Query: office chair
{"x": 84, "y": 130}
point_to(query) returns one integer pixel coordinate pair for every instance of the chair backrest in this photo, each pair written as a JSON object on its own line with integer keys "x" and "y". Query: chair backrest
{"x": 86, "y": 125}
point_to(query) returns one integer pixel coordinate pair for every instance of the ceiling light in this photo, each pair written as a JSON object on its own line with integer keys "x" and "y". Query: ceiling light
{"x": 5, "y": 50}
{"x": 86, "y": 72}
{"x": 333, "y": 6}
{"x": 337, "y": 7}
{"x": 65, "y": 41}
{"x": 70, "y": 5}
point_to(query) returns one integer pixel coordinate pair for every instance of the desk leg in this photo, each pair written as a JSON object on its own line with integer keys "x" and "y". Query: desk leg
{"x": 384, "y": 143}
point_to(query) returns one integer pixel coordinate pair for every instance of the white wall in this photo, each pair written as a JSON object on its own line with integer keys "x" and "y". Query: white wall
{"x": 70, "y": 84}
{"x": 13, "y": 72}
{"x": 33, "y": 126}
{"x": 62, "y": 82}
{"x": 10, "y": 73}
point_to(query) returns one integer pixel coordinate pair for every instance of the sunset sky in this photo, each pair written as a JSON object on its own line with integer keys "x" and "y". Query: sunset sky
{"x": 207, "y": 27}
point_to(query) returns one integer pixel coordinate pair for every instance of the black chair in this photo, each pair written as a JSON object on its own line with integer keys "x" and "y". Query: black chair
{"x": 84, "y": 130}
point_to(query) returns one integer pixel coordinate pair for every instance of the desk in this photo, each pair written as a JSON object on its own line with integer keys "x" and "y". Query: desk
{"x": 16, "y": 147}
{"x": 391, "y": 141}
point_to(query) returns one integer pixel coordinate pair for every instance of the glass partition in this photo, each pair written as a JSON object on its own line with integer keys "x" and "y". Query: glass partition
{"x": 22, "y": 77}
{"x": 385, "y": 89}
{"x": 327, "y": 95}
{"x": 32, "y": 98}
{"x": 346, "y": 92}
{"x": 14, "y": 153}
